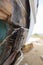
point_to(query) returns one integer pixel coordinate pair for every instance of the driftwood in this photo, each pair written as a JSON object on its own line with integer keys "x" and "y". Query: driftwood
{"x": 18, "y": 16}
{"x": 18, "y": 11}
{"x": 10, "y": 59}
{"x": 13, "y": 42}
{"x": 21, "y": 13}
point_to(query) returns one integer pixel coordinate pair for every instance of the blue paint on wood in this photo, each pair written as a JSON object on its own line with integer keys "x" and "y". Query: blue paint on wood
{"x": 3, "y": 30}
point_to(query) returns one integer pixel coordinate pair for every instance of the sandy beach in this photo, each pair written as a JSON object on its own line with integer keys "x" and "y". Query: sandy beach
{"x": 33, "y": 57}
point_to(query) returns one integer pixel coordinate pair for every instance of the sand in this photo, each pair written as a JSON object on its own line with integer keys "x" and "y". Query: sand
{"x": 34, "y": 57}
